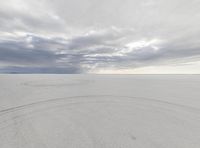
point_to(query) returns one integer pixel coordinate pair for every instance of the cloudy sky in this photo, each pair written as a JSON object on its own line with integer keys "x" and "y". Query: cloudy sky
{"x": 100, "y": 36}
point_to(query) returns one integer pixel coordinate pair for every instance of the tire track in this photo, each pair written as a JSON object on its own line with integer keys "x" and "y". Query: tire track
{"x": 36, "y": 107}
{"x": 75, "y": 98}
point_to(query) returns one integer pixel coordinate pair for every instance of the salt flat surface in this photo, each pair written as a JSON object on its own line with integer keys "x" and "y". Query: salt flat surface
{"x": 99, "y": 111}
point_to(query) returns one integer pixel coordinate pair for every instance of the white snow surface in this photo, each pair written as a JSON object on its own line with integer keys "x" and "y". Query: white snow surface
{"x": 99, "y": 111}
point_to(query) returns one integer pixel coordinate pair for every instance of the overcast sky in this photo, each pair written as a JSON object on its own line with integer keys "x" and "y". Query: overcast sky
{"x": 99, "y": 36}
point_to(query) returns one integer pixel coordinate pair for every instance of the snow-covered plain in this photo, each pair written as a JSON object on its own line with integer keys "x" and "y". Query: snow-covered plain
{"x": 99, "y": 111}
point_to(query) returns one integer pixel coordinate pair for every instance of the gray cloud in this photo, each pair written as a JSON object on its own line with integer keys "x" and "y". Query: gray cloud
{"x": 14, "y": 52}
{"x": 76, "y": 36}
{"x": 92, "y": 49}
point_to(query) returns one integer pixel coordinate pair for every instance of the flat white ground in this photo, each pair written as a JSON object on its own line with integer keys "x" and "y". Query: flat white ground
{"x": 99, "y": 111}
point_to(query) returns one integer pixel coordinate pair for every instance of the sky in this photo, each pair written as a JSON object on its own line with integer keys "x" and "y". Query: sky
{"x": 100, "y": 36}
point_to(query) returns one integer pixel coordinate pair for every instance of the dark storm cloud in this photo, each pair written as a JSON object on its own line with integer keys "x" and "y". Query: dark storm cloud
{"x": 45, "y": 70}
{"x": 14, "y": 52}
{"x": 33, "y": 54}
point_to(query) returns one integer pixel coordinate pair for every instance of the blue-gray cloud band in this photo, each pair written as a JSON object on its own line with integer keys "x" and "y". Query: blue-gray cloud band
{"x": 80, "y": 54}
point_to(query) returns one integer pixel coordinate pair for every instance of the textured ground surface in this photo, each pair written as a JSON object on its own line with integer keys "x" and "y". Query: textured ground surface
{"x": 99, "y": 111}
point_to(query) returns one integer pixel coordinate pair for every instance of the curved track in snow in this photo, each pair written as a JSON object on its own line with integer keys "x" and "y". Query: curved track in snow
{"x": 98, "y": 121}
